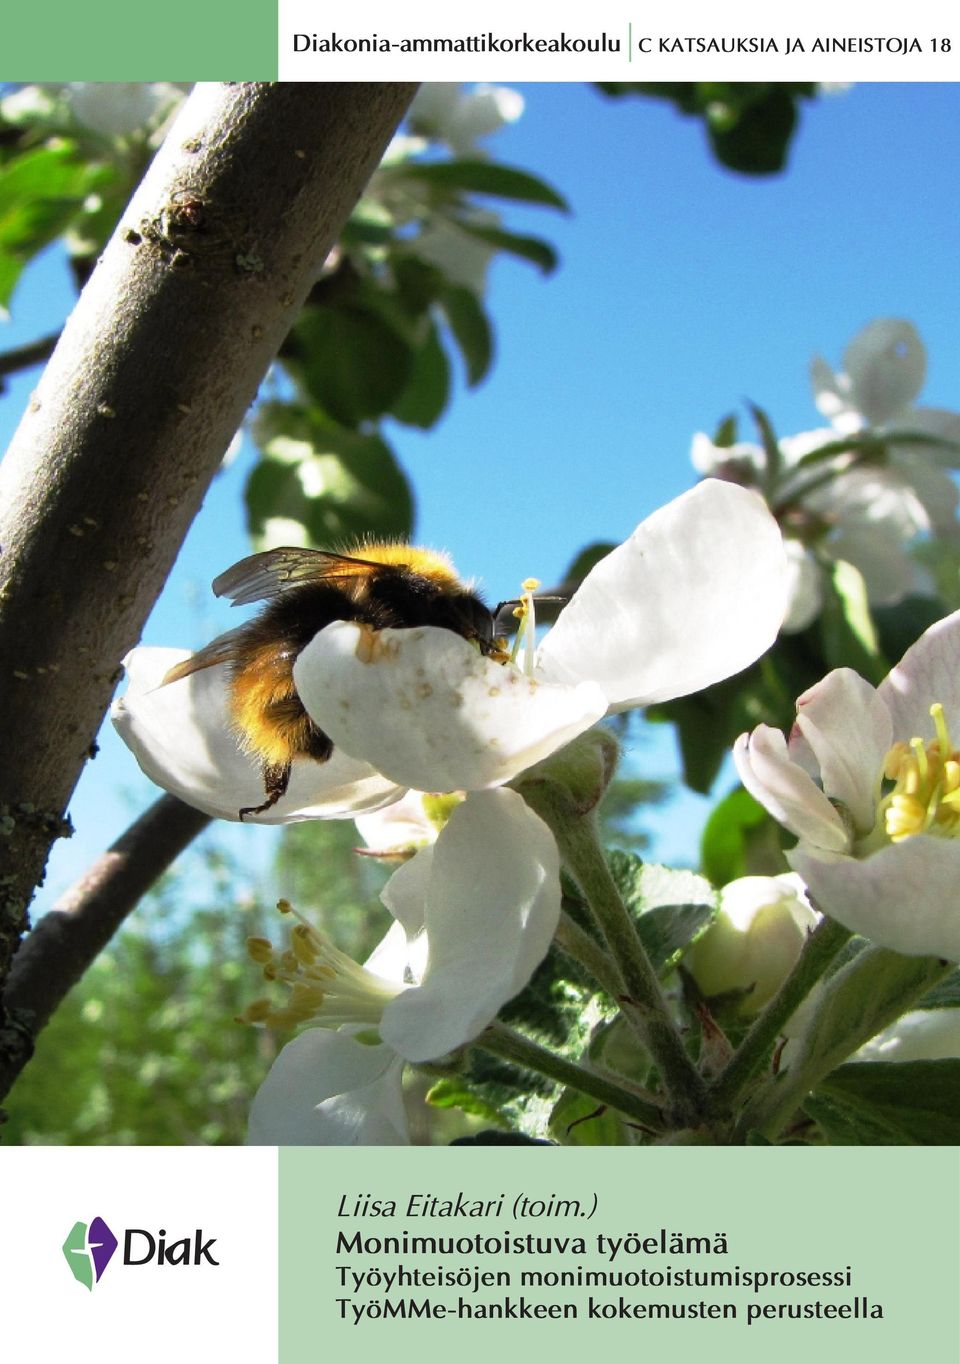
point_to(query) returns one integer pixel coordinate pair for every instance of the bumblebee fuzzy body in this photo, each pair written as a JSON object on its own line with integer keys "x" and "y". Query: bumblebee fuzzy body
{"x": 384, "y": 585}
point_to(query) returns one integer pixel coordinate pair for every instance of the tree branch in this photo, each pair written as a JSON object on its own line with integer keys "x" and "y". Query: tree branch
{"x": 67, "y": 939}
{"x": 27, "y": 355}
{"x": 151, "y": 378}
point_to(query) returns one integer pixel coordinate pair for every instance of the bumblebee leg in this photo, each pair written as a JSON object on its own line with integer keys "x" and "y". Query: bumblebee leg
{"x": 276, "y": 777}
{"x": 316, "y": 745}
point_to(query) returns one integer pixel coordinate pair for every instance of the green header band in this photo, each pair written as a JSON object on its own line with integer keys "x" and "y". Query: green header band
{"x": 113, "y": 40}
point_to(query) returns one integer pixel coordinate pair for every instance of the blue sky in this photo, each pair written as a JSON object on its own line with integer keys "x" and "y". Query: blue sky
{"x": 683, "y": 290}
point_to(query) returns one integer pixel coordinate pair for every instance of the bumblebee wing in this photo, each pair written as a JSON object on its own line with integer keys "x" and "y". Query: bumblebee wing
{"x": 223, "y": 649}
{"x": 262, "y": 577}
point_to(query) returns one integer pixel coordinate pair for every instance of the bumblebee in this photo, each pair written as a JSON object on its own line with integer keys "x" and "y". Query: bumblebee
{"x": 392, "y": 585}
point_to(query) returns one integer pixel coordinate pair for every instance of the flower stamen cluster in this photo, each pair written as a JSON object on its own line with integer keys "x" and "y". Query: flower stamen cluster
{"x": 526, "y": 617}
{"x": 926, "y": 795}
{"x": 326, "y": 986}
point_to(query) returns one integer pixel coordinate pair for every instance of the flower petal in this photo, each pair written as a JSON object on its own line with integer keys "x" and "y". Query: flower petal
{"x": 931, "y": 421}
{"x": 696, "y": 593}
{"x": 831, "y": 393}
{"x": 883, "y": 561}
{"x": 886, "y": 363}
{"x": 398, "y": 829}
{"x": 903, "y": 897}
{"x": 929, "y": 671}
{"x": 492, "y": 908}
{"x": 405, "y": 894}
{"x": 390, "y": 959}
{"x": 921, "y": 1035}
{"x": 181, "y": 735}
{"x": 427, "y": 709}
{"x": 784, "y": 789}
{"x": 848, "y": 728}
{"x": 922, "y": 468}
{"x": 327, "y": 1089}
{"x": 804, "y": 587}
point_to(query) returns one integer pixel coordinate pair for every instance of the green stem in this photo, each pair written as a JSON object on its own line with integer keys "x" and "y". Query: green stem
{"x": 578, "y": 944}
{"x": 642, "y": 1001}
{"x": 821, "y": 947}
{"x": 513, "y": 1046}
{"x": 866, "y": 995}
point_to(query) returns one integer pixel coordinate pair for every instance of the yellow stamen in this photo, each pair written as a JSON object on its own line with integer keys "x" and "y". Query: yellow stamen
{"x": 926, "y": 794}
{"x": 260, "y": 950}
{"x": 325, "y": 985}
{"x": 258, "y": 1011}
{"x": 302, "y": 948}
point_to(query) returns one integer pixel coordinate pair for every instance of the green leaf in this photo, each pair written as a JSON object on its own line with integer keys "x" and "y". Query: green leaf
{"x": 578, "y": 1120}
{"x": 875, "y": 446}
{"x": 483, "y": 177}
{"x": 471, "y": 331}
{"x": 41, "y": 192}
{"x": 673, "y": 908}
{"x": 756, "y": 143}
{"x": 750, "y": 124}
{"x": 709, "y": 721}
{"x": 902, "y": 624}
{"x": 616, "y": 1047}
{"x": 11, "y": 268}
{"x": 846, "y": 625}
{"x": 426, "y": 395}
{"x": 451, "y": 1092}
{"x": 877, "y": 1103}
{"x": 735, "y": 827}
{"x": 419, "y": 283}
{"x": 946, "y": 995}
{"x": 726, "y": 432}
{"x": 533, "y": 249}
{"x": 864, "y": 996}
{"x": 351, "y": 360}
{"x": 337, "y": 484}
{"x": 495, "y": 1138}
{"x": 771, "y": 446}
{"x": 587, "y": 558}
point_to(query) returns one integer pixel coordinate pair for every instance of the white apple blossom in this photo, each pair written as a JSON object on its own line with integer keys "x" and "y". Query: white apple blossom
{"x": 120, "y": 109}
{"x": 884, "y": 368}
{"x": 696, "y": 594}
{"x": 111, "y": 109}
{"x": 864, "y": 514}
{"x": 755, "y": 940}
{"x": 476, "y": 913}
{"x": 463, "y": 258}
{"x": 400, "y": 829}
{"x": 448, "y": 112}
{"x": 846, "y": 507}
{"x": 183, "y": 739}
{"x": 870, "y": 784}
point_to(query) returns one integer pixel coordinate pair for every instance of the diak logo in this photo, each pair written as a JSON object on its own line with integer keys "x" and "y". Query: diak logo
{"x": 88, "y": 1250}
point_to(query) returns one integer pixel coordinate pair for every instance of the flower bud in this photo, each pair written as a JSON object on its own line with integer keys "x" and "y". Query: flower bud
{"x": 755, "y": 940}
{"x": 582, "y": 770}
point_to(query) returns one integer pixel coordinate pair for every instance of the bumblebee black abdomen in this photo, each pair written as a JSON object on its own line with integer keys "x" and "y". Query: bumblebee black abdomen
{"x": 267, "y": 714}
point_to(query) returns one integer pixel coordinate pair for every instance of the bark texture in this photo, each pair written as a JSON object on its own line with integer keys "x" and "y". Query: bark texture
{"x": 68, "y": 939}
{"x": 153, "y": 374}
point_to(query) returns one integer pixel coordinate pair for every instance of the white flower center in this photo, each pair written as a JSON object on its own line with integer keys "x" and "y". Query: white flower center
{"x": 926, "y": 794}
{"x": 326, "y": 986}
